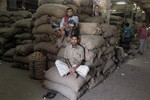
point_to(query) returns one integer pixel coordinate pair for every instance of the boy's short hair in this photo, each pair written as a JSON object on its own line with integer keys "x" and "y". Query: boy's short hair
{"x": 69, "y": 9}
{"x": 96, "y": 6}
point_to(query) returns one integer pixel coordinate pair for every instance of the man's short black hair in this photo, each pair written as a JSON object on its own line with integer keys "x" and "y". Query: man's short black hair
{"x": 75, "y": 36}
{"x": 127, "y": 24}
{"x": 69, "y": 9}
{"x": 97, "y": 6}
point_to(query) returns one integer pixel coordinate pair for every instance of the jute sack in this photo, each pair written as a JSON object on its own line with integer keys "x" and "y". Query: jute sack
{"x": 10, "y": 53}
{"x": 23, "y": 36}
{"x": 42, "y": 38}
{"x": 95, "y": 19}
{"x": 94, "y": 82}
{"x": 22, "y": 59}
{"x": 43, "y": 29}
{"x": 109, "y": 64}
{"x": 89, "y": 28}
{"x": 23, "y": 13}
{"x": 6, "y": 13}
{"x": 9, "y": 45}
{"x": 51, "y": 57}
{"x": 7, "y": 59}
{"x": 41, "y": 2}
{"x": 108, "y": 30}
{"x": 113, "y": 41}
{"x": 2, "y": 40}
{"x": 115, "y": 18}
{"x": 57, "y": 10}
{"x": 109, "y": 50}
{"x": 91, "y": 42}
{"x": 42, "y": 20}
{"x": 86, "y": 10}
{"x": 37, "y": 65}
{"x": 7, "y": 32}
{"x": 82, "y": 17}
{"x": 24, "y": 23}
{"x": 7, "y": 24}
{"x": 4, "y": 19}
{"x": 85, "y": 3}
{"x": 46, "y": 46}
{"x": 64, "y": 90}
{"x": 69, "y": 81}
{"x": 24, "y": 49}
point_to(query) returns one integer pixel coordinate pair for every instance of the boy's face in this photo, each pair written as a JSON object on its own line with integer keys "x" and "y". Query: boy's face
{"x": 74, "y": 40}
{"x": 70, "y": 12}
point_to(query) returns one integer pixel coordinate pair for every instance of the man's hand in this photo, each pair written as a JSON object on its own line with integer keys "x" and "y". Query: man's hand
{"x": 72, "y": 69}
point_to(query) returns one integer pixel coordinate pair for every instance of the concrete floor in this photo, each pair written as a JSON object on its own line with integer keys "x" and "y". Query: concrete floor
{"x": 130, "y": 82}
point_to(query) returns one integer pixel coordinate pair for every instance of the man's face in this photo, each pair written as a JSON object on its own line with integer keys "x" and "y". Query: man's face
{"x": 97, "y": 9}
{"x": 144, "y": 24}
{"x": 74, "y": 40}
{"x": 69, "y": 12}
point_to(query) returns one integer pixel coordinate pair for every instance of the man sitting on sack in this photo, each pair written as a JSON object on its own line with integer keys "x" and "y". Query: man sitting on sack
{"x": 74, "y": 57}
{"x": 68, "y": 25}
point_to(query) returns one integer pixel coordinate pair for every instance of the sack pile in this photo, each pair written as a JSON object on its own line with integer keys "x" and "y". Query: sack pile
{"x": 24, "y": 42}
{"x": 97, "y": 38}
{"x": 8, "y": 31}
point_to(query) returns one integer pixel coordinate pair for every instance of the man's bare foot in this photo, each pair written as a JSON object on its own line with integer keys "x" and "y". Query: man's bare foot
{"x": 75, "y": 75}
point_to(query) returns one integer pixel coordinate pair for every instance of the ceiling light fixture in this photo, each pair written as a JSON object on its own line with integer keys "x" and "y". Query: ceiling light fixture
{"x": 121, "y": 3}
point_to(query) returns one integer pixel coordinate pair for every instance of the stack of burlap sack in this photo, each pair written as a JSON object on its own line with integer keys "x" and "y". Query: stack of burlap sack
{"x": 97, "y": 38}
{"x": 24, "y": 43}
{"x": 8, "y": 32}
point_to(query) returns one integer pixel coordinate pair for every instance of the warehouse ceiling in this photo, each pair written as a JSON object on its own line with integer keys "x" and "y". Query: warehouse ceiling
{"x": 143, "y": 4}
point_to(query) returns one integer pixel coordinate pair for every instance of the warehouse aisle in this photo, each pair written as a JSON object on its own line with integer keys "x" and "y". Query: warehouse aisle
{"x": 130, "y": 82}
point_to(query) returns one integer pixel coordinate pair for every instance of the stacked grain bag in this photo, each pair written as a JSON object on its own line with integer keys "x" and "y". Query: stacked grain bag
{"x": 98, "y": 40}
{"x": 24, "y": 43}
{"x": 8, "y": 32}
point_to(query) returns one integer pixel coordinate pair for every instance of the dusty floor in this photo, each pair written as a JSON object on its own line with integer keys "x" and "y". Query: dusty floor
{"x": 130, "y": 82}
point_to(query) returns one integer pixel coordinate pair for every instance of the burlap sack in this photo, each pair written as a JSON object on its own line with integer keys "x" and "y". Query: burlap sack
{"x": 42, "y": 38}
{"x": 89, "y": 28}
{"x": 86, "y": 10}
{"x": 113, "y": 41}
{"x": 10, "y": 53}
{"x": 6, "y": 13}
{"x": 64, "y": 90}
{"x": 7, "y": 32}
{"x": 2, "y": 40}
{"x": 27, "y": 42}
{"x": 109, "y": 64}
{"x": 82, "y": 17}
{"x": 4, "y": 19}
{"x": 91, "y": 42}
{"x": 20, "y": 65}
{"x": 69, "y": 81}
{"x": 109, "y": 50}
{"x": 95, "y": 19}
{"x": 55, "y": 19}
{"x": 43, "y": 29}
{"x": 108, "y": 30}
{"x": 24, "y": 23}
{"x": 23, "y": 13}
{"x": 21, "y": 59}
{"x": 47, "y": 47}
{"x": 7, "y": 24}
{"x": 7, "y": 59}
{"x": 42, "y": 20}
{"x": 9, "y": 45}
{"x": 96, "y": 81}
{"x": 85, "y": 3}
{"x": 51, "y": 57}
{"x": 41, "y": 2}
{"x": 24, "y": 49}
{"x": 115, "y": 18}
{"x": 57, "y": 10}
{"x": 23, "y": 36}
